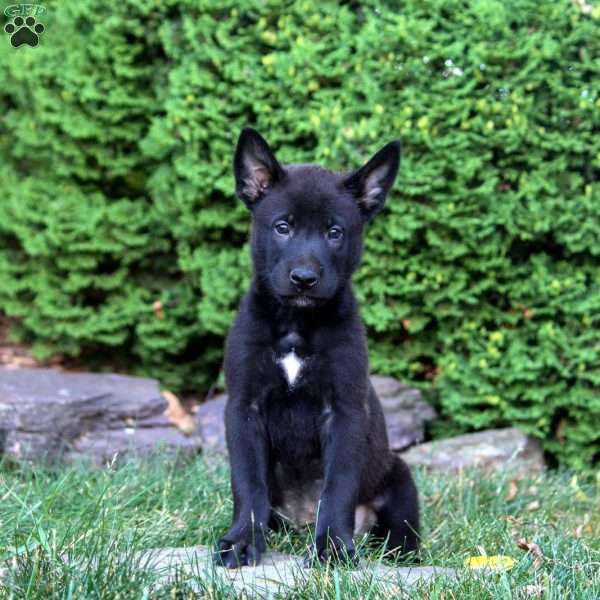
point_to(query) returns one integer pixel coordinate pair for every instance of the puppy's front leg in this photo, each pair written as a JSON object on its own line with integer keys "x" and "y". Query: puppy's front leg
{"x": 345, "y": 453}
{"x": 244, "y": 543}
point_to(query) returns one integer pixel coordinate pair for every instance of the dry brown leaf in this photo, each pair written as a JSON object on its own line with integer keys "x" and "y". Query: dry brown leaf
{"x": 17, "y": 362}
{"x": 534, "y": 505}
{"x": 14, "y": 356}
{"x": 157, "y": 307}
{"x": 534, "y": 550}
{"x": 513, "y": 490}
{"x": 177, "y": 414}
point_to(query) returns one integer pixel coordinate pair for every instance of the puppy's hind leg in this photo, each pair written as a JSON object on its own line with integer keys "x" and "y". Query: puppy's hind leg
{"x": 398, "y": 510}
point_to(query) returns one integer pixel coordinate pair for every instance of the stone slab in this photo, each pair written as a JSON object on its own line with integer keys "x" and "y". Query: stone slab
{"x": 492, "y": 449}
{"x": 277, "y": 572}
{"x": 51, "y": 415}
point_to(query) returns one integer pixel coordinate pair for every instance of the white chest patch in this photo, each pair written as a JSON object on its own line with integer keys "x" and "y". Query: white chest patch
{"x": 291, "y": 365}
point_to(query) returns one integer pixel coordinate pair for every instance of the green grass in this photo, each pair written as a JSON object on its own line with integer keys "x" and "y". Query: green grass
{"x": 74, "y": 533}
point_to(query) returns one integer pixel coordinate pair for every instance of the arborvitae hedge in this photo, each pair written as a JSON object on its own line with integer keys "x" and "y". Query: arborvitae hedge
{"x": 482, "y": 277}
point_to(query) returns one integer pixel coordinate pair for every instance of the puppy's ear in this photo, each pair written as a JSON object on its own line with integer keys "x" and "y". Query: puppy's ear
{"x": 371, "y": 183}
{"x": 255, "y": 167}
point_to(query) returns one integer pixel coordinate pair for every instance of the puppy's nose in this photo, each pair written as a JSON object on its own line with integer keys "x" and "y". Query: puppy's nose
{"x": 304, "y": 278}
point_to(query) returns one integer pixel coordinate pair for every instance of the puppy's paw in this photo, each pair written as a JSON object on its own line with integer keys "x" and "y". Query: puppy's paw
{"x": 235, "y": 554}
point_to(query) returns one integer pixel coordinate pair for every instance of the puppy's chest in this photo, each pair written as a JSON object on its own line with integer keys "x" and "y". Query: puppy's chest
{"x": 291, "y": 365}
{"x": 297, "y": 406}
{"x": 295, "y": 361}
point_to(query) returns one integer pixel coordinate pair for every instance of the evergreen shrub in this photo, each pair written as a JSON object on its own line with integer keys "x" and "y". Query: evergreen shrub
{"x": 121, "y": 240}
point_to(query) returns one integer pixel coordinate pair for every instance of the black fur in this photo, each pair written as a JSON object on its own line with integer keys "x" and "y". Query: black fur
{"x": 325, "y": 431}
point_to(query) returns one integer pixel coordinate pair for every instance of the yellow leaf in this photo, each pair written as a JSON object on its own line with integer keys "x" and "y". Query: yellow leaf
{"x": 497, "y": 562}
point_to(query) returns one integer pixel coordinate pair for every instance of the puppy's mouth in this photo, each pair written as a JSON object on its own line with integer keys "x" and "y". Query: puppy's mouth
{"x": 302, "y": 301}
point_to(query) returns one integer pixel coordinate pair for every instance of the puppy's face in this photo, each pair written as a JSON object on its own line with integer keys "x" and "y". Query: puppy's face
{"x": 307, "y": 220}
{"x": 306, "y": 236}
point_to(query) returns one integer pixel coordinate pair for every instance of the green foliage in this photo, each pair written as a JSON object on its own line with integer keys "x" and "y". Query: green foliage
{"x": 481, "y": 279}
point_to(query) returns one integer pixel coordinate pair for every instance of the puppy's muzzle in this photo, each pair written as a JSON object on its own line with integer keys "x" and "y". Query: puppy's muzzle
{"x": 304, "y": 278}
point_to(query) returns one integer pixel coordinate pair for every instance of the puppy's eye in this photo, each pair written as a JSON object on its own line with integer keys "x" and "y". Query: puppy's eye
{"x": 335, "y": 233}
{"x": 282, "y": 228}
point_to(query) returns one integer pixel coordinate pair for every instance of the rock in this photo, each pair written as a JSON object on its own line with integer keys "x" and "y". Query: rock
{"x": 388, "y": 387}
{"x": 492, "y": 449}
{"x": 146, "y": 438}
{"x": 276, "y": 574}
{"x": 406, "y": 414}
{"x": 211, "y": 424}
{"x": 52, "y": 415}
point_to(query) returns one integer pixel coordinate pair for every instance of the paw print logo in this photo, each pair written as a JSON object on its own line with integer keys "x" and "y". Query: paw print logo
{"x": 24, "y": 31}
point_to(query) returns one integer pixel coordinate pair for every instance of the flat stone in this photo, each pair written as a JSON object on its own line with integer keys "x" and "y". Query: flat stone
{"x": 405, "y": 411}
{"x": 492, "y": 449}
{"x": 277, "y": 573}
{"x": 211, "y": 424}
{"x": 387, "y": 387}
{"x": 100, "y": 447}
{"x": 47, "y": 414}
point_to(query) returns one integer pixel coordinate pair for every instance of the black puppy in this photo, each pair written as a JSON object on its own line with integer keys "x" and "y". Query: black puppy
{"x": 305, "y": 430}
